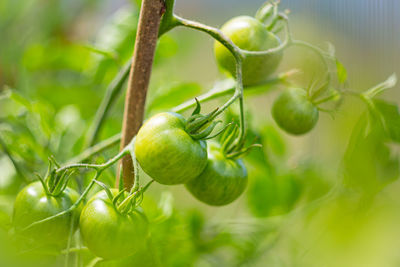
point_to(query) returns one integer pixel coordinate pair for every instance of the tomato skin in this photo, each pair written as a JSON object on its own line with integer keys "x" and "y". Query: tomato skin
{"x": 32, "y": 204}
{"x": 222, "y": 181}
{"x": 167, "y": 153}
{"x": 249, "y": 34}
{"x": 108, "y": 233}
{"x": 294, "y": 112}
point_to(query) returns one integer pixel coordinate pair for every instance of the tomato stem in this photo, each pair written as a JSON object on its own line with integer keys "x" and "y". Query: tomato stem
{"x": 110, "y": 97}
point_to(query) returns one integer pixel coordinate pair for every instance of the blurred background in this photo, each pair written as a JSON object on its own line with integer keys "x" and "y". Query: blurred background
{"x": 329, "y": 198}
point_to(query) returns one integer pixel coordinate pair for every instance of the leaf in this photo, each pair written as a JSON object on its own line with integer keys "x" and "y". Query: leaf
{"x": 390, "y": 118}
{"x": 172, "y": 95}
{"x": 341, "y": 72}
{"x": 368, "y": 162}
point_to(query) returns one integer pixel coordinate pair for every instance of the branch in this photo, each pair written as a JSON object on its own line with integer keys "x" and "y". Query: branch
{"x": 145, "y": 44}
{"x": 109, "y": 99}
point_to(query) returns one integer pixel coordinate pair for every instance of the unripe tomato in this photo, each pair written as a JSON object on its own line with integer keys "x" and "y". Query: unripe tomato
{"x": 33, "y": 204}
{"x": 249, "y": 34}
{"x": 108, "y": 233}
{"x": 222, "y": 181}
{"x": 294, "y": 112}
{"x": 167, "y": 152}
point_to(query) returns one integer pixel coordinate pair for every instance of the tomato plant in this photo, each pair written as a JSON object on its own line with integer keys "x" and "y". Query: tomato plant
{"x": 99, "y": 205}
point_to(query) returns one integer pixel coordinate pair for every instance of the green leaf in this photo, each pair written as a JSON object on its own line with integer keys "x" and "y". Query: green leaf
{"x": 341, "y": 72}
{"x": 369, "y": 163}
{"x": 390, "y": 118}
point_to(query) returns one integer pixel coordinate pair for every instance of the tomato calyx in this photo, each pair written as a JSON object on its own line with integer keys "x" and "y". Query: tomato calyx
{"x": 54, "y": 183}
{"x": 268, "y": 12}
{"x": 123, "y": 202}
{"x": 200, "y": 126}
{"x": 269, "y": 15}
{"x": 233, "y": 145}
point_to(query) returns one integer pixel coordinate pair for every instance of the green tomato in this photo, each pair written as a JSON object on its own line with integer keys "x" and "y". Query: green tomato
{"x": 249, "y": 34}
{"x": 294, "y": 112}
{"x": 222, "y": 181}
{"x": 108, "y": 233}
{"x": 167, "y": 153}
{"x": 33, "y": 204}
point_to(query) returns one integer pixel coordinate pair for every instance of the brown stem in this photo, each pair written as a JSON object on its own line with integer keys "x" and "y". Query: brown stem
{"x": 146, "y": 40}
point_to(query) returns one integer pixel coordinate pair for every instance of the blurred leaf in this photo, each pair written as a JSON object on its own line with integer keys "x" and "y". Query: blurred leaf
{"x": 273, "y": 141}
{"x": 341, "y": 72}
{"x": 262, "y": 193}
{"x": 368, "y": 161}
{"x": 390, "y": 118}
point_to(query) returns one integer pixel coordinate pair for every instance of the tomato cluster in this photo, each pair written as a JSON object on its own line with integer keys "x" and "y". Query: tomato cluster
{"x": 169, "y": 155}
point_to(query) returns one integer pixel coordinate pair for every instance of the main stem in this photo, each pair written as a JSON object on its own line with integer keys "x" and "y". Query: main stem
{"x": 142, "y": 61}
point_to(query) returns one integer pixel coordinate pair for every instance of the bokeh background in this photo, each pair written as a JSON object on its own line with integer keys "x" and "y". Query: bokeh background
{"x": 330, "y": 198}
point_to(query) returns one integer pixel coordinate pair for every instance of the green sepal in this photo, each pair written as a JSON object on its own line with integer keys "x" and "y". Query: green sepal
{"x": 42, "y": 181}
{"x": 106, "y": 189}
{"x": 206, "y": 132}
{"x": 117, "y": 197}
{"x": 126, "y": 204}
{"x": 267, "y": 13}
{"x": 242, "y": 152}
{"x": 229, "y": 137}
{"x": 198, "y": 121}
{"x": 198, "y": 107}
{"x": 218, "y": 133}
{"x": 62, "y": 183}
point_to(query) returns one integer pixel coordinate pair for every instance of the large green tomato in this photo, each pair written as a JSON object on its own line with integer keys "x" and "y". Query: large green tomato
{"x": 294, "y": 112}
{"x": 167, "y": 152}
{"x": 249, "y": 34}
{"x": 108, "y": 233}
{"x": 222, "y": 181}
{"x": 33, "y": 204}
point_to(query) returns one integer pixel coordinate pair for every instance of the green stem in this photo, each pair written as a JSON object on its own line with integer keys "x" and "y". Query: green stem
{"x": 168, "y": 21}
{"x": 237, "y": 54}
{"x": 109, "y": 99}
{"x": 85, "y": 155}
{"x": 17, "y": 168}
{"x": 321, "y": 54}
{"x": 214, "y": 33}
{"x": 326, "y": 99}
{"x": 98, "y": 167}
{"x": 227, "y": 87}
{"x": 288, "y": 41}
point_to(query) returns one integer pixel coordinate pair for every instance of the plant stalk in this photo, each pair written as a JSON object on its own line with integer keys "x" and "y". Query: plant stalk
{"x": 139, "y": 76}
